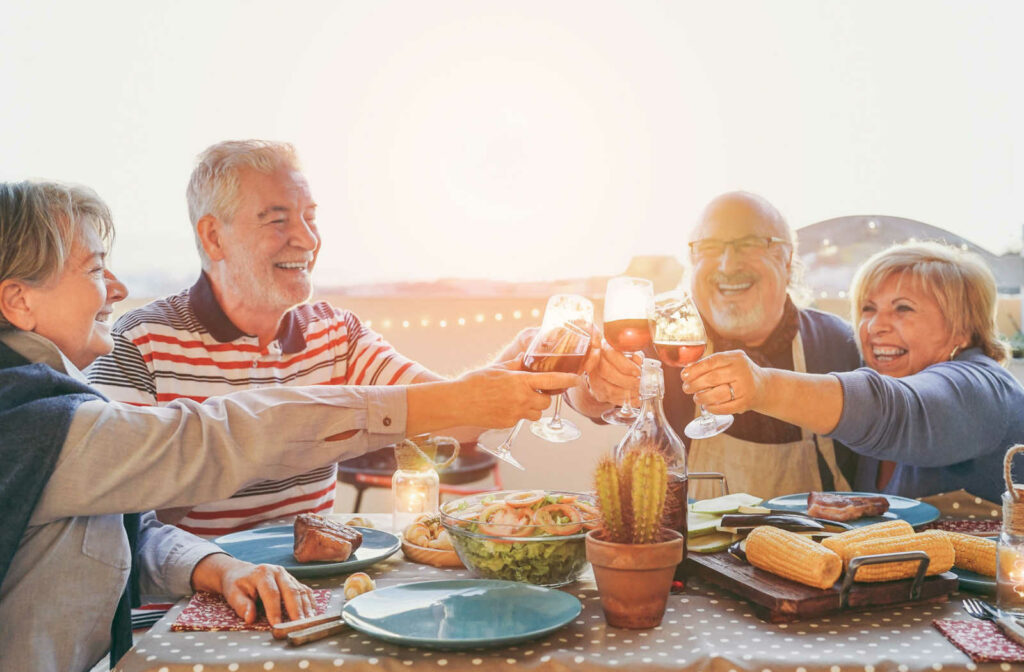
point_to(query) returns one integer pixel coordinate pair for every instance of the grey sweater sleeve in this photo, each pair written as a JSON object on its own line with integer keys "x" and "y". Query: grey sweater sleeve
{"x": 947, "y": 413}
{"x": 120, "y": 458}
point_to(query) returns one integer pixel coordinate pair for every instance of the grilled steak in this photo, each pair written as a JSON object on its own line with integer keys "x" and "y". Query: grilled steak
{"x": 844, "y": 507}
{"x": 319, "y": 539}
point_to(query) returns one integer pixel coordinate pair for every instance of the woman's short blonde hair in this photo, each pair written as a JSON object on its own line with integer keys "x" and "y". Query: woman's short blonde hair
{"x": 39, "y": 222}
{"x": 959, "y": 281}
{"x": 213, "y": 187}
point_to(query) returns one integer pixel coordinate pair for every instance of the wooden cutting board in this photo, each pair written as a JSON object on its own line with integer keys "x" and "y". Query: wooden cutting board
{"x": 780, "y": 600}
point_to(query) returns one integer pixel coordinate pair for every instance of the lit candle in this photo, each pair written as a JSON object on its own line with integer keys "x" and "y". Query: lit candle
{"x": 414, "y": 492}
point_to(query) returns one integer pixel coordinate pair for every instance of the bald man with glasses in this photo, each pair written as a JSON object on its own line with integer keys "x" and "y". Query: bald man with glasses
{"x": 743, "y": 262}
{"x": 742, "y": 257}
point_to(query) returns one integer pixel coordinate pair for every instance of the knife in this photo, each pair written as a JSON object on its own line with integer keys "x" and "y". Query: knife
{"x": 305, "y": 630}
{"x": 1007, "y": 623}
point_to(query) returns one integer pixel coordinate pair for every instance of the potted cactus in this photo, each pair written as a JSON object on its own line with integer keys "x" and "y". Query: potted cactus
{"x": 633, "y": 554}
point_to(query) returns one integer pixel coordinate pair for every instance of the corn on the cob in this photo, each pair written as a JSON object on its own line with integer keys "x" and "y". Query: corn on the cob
{"x": 891, "y": 528}
{"x": 974, "y": 553}
{"x": 933, "y": 542}
{"x": 793, "y": 556}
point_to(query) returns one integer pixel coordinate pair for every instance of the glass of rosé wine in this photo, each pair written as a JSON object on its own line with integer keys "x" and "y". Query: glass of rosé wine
{"x": 628, "y": 308}
{"x": 680, "y": 339}
{"x": 561, "y": 344}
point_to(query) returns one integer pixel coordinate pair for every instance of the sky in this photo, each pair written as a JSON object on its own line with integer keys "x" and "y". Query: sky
{"x": 526, "y": 140}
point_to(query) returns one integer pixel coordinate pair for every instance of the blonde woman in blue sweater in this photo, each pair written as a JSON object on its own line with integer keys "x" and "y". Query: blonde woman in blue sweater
{"x": 933, "y": 411}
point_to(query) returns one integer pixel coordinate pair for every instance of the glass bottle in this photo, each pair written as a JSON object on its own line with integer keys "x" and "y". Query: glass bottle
{"x": 652, "y": 426}
{"x": 1010, "y": 557}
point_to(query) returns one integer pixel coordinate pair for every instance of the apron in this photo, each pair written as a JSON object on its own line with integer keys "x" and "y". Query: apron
{"x": 765, "y": 469}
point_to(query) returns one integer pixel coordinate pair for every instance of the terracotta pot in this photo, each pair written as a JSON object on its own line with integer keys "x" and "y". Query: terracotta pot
{"x": 634, "y": 579}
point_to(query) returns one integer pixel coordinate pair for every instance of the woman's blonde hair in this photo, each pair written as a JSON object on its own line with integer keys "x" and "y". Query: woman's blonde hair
{"x": 39, "y": 222}
{"x": 213, "y": 186}
{"x": 959, "y": 281}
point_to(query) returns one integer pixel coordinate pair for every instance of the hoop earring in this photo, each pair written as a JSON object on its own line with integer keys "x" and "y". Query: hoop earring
{"x": 953, "y": 354}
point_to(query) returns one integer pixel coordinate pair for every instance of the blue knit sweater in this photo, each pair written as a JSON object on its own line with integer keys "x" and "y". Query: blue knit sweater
{"x": 948, "y": 426}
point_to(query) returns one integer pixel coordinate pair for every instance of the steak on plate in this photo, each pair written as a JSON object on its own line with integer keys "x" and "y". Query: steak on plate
{"x": 320, "y": 539}
{"x": 845, "y": 507}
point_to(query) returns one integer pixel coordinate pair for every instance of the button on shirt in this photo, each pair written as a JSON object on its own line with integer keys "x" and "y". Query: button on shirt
{"x": 58, "y": 598}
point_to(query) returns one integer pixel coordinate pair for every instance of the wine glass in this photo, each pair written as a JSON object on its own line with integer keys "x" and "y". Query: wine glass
{"x": 561, "y": 344}
{"x": 628, "y": 305}
{"x": 680, "y": 339}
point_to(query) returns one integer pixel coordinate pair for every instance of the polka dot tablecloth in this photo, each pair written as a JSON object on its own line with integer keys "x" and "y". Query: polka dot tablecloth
{"x": 704, "y": 629}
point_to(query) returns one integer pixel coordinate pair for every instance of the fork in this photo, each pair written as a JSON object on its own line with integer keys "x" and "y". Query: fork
{"x": 985, "y": 611}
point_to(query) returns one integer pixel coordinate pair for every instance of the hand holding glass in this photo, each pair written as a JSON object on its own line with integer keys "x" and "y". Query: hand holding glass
{"x": 680, "y": 339}
{"x": 628, "y": 303}
{"x": 561, "y": 344}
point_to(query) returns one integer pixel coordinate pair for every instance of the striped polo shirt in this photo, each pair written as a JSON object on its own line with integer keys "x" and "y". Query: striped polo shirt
{"x": 184, "y": 346}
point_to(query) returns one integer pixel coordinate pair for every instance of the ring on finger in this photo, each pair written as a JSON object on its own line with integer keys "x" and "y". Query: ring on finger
{"x": 732, "y": 393}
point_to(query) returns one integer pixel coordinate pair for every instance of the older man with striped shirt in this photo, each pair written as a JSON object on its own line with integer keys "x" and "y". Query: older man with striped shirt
{"x": 246, "y": 322}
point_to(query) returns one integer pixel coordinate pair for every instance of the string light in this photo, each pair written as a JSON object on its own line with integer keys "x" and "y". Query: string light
{"x": 497, "y": 317}
{"x": 387, "y": 324}
{"x": 405, "y": 324}
{"x": 535, "y": 312}
{"x": 424, "y": 322}
{"x": 824, "y": 295}
{"x": 479, "y": 317}
{"x": 517, "y": 314}
{"x": 369, "y": 323}
{"x": 443, "y": 323}
{"x": 462, "y": 321}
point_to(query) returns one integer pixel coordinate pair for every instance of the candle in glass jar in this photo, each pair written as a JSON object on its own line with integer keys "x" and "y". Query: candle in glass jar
{"x": 1010, "y": 558}
{"x": 413, "y": 492}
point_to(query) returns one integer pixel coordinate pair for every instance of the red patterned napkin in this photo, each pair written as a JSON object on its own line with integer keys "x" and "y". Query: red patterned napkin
{"x": 983, "y": 641}
{"x": 981, "y": 528}
{"x": 206, "y": 611}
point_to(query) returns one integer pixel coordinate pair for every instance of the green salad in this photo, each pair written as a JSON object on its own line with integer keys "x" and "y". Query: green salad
{"x": 531, "y": 536}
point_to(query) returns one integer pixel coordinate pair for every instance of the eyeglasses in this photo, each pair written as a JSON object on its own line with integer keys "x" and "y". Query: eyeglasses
{"x": 747, "y": 246}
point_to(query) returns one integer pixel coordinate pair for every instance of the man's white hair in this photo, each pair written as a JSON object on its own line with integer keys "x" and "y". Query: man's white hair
{"x": 213, "y": 187}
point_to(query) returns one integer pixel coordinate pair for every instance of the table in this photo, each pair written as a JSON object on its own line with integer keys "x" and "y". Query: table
{"x": 704, "y": 628}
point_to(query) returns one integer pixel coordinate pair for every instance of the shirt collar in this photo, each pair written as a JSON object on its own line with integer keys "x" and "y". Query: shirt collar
{"x": 210, "y": 314}
{"x": 40, "y": 350}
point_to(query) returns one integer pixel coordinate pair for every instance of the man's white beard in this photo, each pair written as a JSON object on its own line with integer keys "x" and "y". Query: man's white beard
{"x": 731, "y": 321}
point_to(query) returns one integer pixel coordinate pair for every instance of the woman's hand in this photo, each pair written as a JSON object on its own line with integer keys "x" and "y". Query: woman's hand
{"x": 726, "y": 382}
{"x": 242, "y": 583}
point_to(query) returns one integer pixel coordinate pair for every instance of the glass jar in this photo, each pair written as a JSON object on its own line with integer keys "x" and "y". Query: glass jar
{"x": 1010, "y": 557}
{"x": 413, "y": 492}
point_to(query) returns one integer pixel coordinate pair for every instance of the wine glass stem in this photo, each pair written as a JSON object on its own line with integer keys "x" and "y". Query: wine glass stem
{"x": 556, "y": 419}
{"x": 507, "y": 443}
{"x": 627, "y": 405}
{"x": 706, "y": 418}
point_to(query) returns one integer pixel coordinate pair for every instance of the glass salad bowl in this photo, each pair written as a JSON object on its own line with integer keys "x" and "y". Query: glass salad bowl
{"x": 533, "y": 536}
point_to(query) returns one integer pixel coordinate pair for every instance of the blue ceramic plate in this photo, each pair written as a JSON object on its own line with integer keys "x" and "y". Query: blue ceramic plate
{"x": 914, "y": 512}
{"x": 976, "y": 583}
{"x": 461, "y": 614}
{"x": 274, "y": 545}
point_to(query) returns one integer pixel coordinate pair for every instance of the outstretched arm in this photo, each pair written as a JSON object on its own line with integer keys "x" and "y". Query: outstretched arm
{"x": 729, "y": 382}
